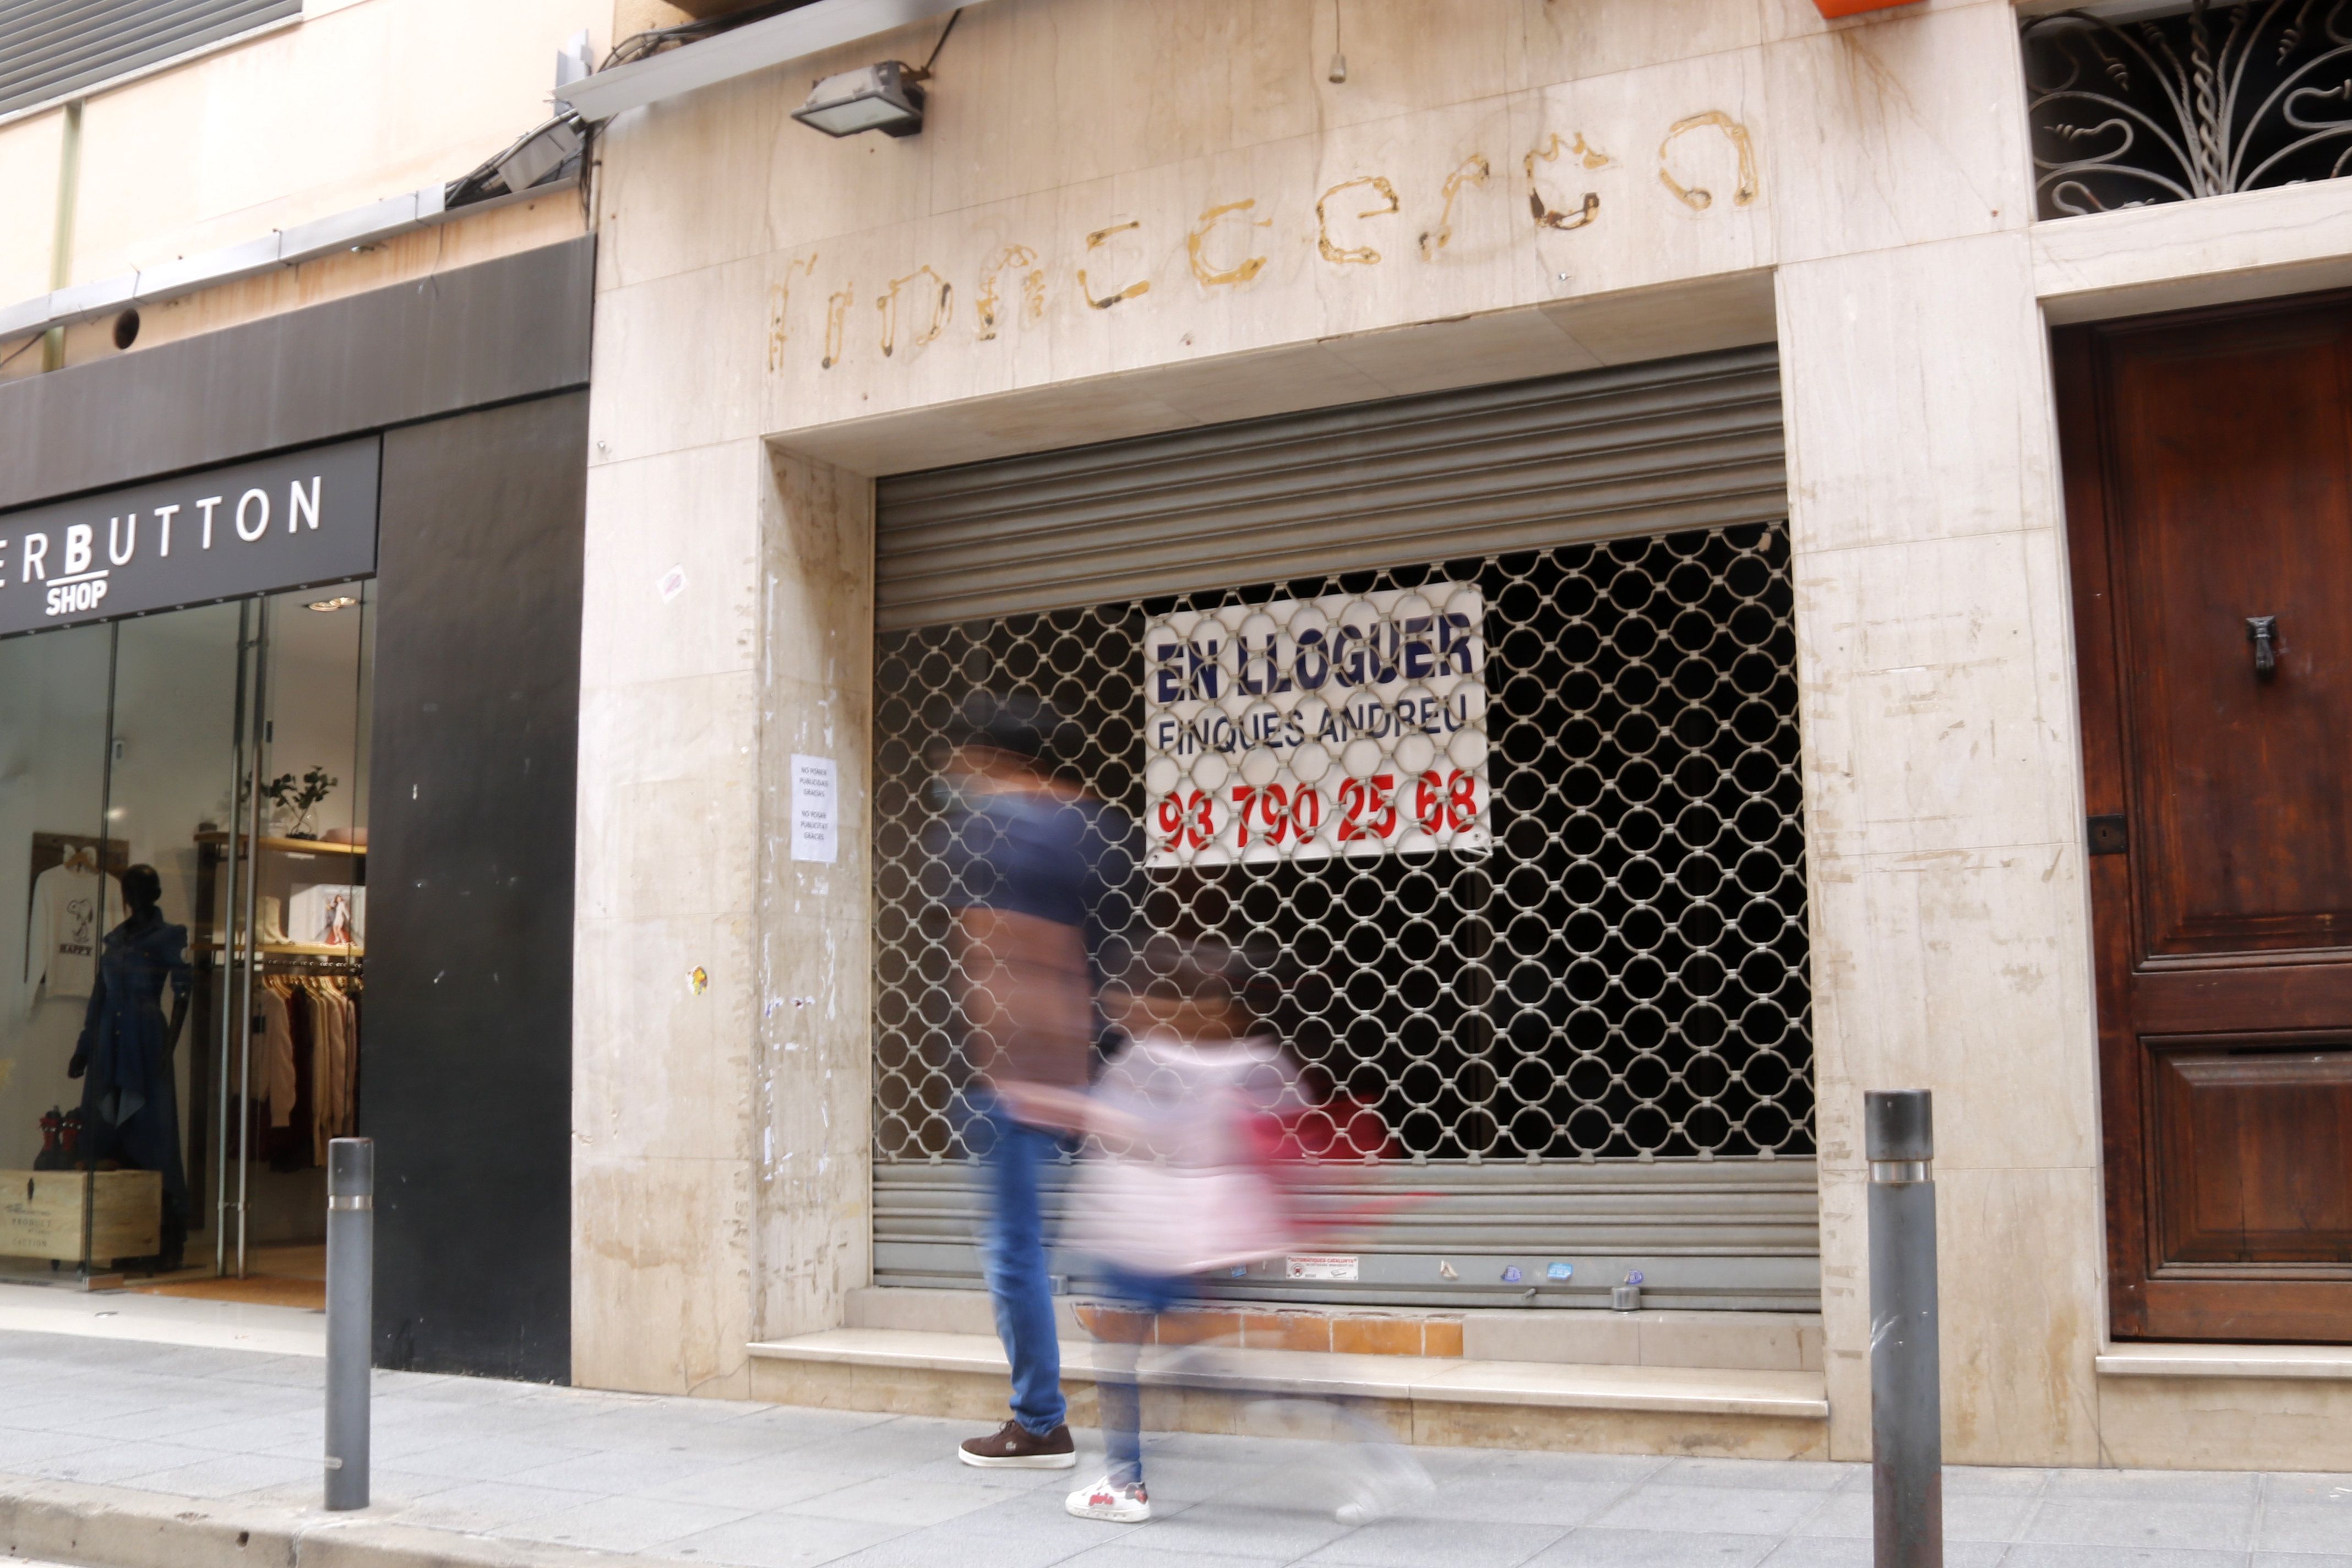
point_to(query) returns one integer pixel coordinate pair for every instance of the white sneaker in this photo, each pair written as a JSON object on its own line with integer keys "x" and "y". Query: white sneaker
{"x": 1128, "y": 1504}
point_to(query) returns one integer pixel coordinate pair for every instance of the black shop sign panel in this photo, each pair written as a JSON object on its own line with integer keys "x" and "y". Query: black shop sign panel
{"x": 258, "y": 527}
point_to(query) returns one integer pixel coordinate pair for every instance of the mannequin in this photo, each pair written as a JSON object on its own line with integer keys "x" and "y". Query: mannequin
{"x": 130, "y": 1099}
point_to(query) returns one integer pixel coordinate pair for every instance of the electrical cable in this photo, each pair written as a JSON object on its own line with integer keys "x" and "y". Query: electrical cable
{"x": 953, "y": 17}
{"x": 637, "y": 46}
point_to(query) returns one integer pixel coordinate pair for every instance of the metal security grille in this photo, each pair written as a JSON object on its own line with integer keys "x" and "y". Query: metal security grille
{"x": 1615, "y": 973}
{"x": 49, "y": 48}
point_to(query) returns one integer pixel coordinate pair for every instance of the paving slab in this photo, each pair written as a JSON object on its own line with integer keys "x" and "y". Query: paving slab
{"x": 116, "y": 1453}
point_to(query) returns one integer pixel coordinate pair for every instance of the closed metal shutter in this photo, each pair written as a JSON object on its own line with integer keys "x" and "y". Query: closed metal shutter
{"x": 49, "y": 48}
{"x": 1577, "y": 1031}
{"x": 1690, "y": 443}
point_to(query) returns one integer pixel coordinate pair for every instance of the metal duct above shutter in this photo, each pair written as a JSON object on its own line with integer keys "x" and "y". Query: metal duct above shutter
{"x": 50, "y": 48}
{"x": 1678, "y": 444}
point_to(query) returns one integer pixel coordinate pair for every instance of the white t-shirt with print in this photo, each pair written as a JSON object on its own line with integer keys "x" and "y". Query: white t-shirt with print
{"x": 61, "y": 943}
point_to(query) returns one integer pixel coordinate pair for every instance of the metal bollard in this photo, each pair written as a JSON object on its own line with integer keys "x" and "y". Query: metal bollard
{"x": 1906, "y": 1406}
{"x": 350, "y": 1295}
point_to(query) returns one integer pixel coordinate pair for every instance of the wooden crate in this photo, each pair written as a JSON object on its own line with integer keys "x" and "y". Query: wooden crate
{"x": 41, "y": 1215}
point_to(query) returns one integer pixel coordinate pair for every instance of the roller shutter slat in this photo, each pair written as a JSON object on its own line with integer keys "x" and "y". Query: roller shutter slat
{"x": 49, "y": 48}
{"x": 1685, "y": 443}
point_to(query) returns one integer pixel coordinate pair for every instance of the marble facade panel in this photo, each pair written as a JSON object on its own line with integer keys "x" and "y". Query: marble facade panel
{"x": 678, "y": 362}
{"x": 2022, "y": 1309}
{"x": 1939, "y": 695}
{"x": 1308, "y": 239}
{"x": 817, "y": 559}
{"x": 2230, "y": 1424}
{"x": 670, "y": 566}
{"x": 662, "y": 1060}
{"x": 1693, "y": 316}
{"x": 1644, "y": 176}
{"x": 1963, "y": 972}
{"x": 1563, "y": 42}
{"x": 1906, "y": 130}
{"x": 1917, "y": 395}
{"x": 814, "y": 1031}
{"x": 1783, "y": 19}
{"x": 667, "y": 798}
{"x": 661, "y": 1291}
{"x": 813, "y": 1163}
{"x": 652, "y": 225}
{"x": 2252, "y": 245}
{"x": 1080, "y": 92}
{"x": 1508, "y": 345}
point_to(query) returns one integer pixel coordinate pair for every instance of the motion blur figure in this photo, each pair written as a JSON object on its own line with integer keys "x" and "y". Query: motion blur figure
{"x": 1031, "y": 869}
{"x": 1185, "y": 1179}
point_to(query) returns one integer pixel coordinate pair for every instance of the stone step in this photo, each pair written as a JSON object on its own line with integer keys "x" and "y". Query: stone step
{"x": 1731, "y": 1413}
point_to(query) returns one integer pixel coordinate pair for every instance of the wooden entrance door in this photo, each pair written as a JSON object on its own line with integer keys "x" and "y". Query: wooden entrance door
{"x": 2209, "y": 494}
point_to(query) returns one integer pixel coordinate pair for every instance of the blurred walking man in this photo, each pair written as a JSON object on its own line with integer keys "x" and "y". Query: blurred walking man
{"x": 1029, "y": 865}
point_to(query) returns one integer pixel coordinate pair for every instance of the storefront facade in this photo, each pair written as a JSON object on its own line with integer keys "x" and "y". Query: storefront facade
{"x": 1700, "y": 356}
{"x": 288, "y": 615}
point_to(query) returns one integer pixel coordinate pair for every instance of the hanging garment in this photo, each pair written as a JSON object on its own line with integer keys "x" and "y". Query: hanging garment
{"x": 61, "y": 941}
{"x": 124, "y": 1058}
{"x": 326, "y": 1092}
{"x": 335, "y": 1116}
{"x": 277, "y": 1083}
{"x": 293, "y": 1146}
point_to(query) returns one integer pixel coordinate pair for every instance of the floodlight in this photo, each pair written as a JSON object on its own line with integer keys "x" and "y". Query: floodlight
{"x": 885, "y": 98}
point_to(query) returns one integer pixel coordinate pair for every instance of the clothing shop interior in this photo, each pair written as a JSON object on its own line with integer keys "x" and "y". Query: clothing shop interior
{"x": 182, "y": 901}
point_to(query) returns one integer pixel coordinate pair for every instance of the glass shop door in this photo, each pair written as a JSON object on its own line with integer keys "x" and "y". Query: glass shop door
{"x": 287, "y": 873}
{"x": 179, "y": 1014}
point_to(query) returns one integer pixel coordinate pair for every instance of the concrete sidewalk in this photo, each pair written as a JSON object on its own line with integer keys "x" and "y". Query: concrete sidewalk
{"x": 125, "y": 1455}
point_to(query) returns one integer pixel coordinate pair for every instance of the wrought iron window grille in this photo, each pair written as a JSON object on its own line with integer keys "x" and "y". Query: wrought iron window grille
{"x": 2210, "y": 100}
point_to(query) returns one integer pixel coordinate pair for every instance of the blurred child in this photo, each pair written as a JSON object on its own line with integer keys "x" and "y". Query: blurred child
{"x": 1187, "y": 1116}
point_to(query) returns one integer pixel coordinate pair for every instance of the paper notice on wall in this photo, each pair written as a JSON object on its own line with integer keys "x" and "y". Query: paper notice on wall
{"x": 1300, "y": 728}
{"x": 816, "y": 810}
{"x": 1326, "y": 1268}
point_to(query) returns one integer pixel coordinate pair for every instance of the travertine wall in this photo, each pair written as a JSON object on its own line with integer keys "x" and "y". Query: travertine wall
{"x": 1132, "y": 215}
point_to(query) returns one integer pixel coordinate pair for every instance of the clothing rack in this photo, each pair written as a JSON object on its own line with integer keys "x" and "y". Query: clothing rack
{"x": 348, "y": 964}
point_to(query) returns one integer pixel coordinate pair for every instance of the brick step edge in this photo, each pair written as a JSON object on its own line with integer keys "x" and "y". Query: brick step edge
{"x": 122, "y": 1527}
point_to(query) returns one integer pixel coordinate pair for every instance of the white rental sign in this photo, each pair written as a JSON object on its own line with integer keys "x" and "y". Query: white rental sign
{"x": 1300, "y": 728}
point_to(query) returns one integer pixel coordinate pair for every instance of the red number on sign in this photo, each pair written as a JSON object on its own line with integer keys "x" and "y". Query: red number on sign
{"x": 1462, "y": 802}
{"x": 1429, "y": 802}
{"x": 1306, "y": 813}
{"x": 1187, "y": 819}
{"x": 1273, "y": 810}
{"x": 1351, "y": 796}
{"x": 1383, "y": 800}
{"x": 1243, "y": 795}
{"x": 1171, "y": 821}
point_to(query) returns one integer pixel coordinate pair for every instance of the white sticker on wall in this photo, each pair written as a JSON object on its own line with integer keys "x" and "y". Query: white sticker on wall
{"x": 1320, "y": 1266}
{"x": 1301, "y": 729}
{"x": 816, "y": 810}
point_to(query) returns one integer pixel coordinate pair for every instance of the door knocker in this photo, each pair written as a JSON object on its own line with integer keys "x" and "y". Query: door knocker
{"x": 2263, "y": 632}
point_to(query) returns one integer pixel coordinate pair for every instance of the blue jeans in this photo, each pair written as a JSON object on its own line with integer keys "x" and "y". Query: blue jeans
{"x": 1012, "y": 1256}
{"x": 1117, "y": 1395}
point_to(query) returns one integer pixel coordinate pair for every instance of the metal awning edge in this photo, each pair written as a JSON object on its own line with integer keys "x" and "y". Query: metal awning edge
{"x": 795, "y": 35}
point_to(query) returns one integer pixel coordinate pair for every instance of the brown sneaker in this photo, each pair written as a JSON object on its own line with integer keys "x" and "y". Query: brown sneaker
{"x": 1012, "y": 1447}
